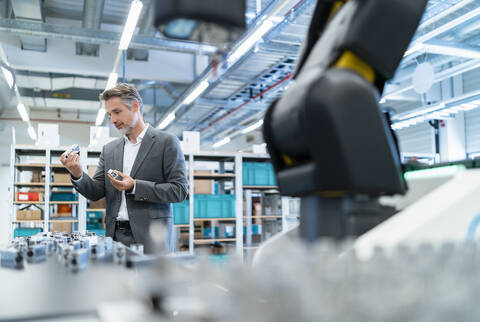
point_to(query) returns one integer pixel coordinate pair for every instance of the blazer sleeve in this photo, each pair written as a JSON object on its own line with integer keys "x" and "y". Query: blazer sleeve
{"x": 92, "y": 188}
{"x": 175, "y": 188}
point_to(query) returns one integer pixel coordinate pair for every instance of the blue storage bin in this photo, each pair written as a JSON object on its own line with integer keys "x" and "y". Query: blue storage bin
{"x": 258, "y": 174}
{"x": 207, "y": 232}
{"x": 99, "y": 232}
{"x": 64, "y": 196}
{"x": 181, "y": 212}
{"x": 214, "y": 206}
{"x": 25, "y": 232}
{"x": 255, "y": 230}
{"x": 94, "y": 226}
{"x": 94, "y": 215}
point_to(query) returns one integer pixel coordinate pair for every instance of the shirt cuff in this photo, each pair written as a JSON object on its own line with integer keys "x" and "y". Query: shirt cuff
{"x": 133, "y": 190}
{"x": 77, "y": 180}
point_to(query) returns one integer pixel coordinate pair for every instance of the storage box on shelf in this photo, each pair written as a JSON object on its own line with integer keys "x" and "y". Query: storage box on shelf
{"x": 25, "y": 232}
{"x": 214, "y": 206}
{"x": 258, "y": 174}
{"x": 29, "y": 214}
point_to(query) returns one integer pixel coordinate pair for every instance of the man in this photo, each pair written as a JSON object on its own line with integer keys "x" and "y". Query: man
{"x": 151, "y": 166}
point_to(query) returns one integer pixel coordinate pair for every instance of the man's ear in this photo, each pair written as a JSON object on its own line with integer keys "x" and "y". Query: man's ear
{"x": 135, "y": 106}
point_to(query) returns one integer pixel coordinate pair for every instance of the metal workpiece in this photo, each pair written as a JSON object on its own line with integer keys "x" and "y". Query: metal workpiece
{"x": 11, "y": 258}
{"x": 119, "y": 254}
{"x": 36, "y": 253}
{"x": 78, "y": 260}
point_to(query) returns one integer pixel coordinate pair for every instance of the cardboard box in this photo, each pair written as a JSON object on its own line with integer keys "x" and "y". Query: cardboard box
{"x": 91, "y": 170}
{"x": 27, "y": 214}
{"x": 64, "y": 209}
{"x": 61, "y": 226}
{"x": 100, "y": 204}
{"x": 61, "y": 214}
{"x": 37, "y": 176}
{"x": 202, "y": 186}
{"x": 61, "y": 177}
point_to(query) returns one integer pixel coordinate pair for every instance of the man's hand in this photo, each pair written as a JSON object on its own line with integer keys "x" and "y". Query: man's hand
{"x": 126, "y": 184}
{"x": 72, "y": 163}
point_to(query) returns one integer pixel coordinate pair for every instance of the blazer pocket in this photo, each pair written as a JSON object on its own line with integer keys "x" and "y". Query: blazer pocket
{"x": 160, "y": 212}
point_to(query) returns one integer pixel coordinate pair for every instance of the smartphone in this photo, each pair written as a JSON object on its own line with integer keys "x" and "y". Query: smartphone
{"x": 114, "y": 175}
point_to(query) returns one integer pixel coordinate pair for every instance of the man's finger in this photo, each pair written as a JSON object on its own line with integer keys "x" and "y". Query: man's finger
{"x": 121, "y": 174}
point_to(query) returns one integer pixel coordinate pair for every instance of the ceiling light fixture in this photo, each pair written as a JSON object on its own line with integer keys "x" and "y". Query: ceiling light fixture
{"x": 170, "y": 117}
{"x": 100, "y": 116}
{"x": 112, "y": 80}
{"x": 133, "y": 15}
{"x": 31, "y": 133}
{"x": 196, "y": 92}
{"x": 23, "y": 112}
{"x": 252, "y": 127}
{"x": 8, "y": 76}
{"x": 221, "y": 142}
{"x": 246, "y": 45}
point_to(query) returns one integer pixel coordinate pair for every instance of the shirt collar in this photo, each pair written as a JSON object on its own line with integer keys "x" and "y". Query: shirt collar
{"x": 140, "y": 136}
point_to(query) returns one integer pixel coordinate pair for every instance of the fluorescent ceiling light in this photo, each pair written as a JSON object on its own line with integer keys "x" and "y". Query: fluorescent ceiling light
{"x": 170, "y": 117}
{"x": 383, "y": 101}
{"x": 196, "y": 92}
{"x": 252, "y": 127}
{"x": 112, "y": 80}
{"x": 130, "y": 25}
{"x": 221, "y": 142}
{"x": 8, "y": 76}
{"x": 248, "y": 43}
{"x": 23, "y": 112}
{"x": 416, "y": 47}
{"x": 100, "y": 116}
{"x": 31, "y": 133}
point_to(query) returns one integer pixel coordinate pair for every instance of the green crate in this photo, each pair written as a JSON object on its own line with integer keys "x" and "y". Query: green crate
{"x": 25, "y": 232}
{"x": 181, "y": 212}
{"x": 94, "y": 226}
{"x": 94, "y": 215}
{"x": 99, "y": 232}
{"x": 214, "y": 206}
{"x": 258, "y": 174}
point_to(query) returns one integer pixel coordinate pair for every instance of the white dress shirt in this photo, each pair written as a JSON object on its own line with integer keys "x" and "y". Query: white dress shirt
{"x": 130, "y": 151}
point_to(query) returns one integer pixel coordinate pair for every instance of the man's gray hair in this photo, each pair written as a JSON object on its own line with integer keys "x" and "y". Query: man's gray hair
{"x": 127, "y": 94}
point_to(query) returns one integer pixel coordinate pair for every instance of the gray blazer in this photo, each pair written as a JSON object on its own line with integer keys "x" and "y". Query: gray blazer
{"x": 159, "y": 171}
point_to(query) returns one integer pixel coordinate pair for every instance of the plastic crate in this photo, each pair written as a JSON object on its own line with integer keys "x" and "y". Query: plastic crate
{"x": 99, "y": 232}
{"x": 181, "y": 213}
{"x": 94, "y": 215}
{"x": 64, "y": 196}
{"x": 25, "y": 232}
{"x": 258, "y": 174}
{"x": 214, "y": 206}
{"x": 94, "y": 226}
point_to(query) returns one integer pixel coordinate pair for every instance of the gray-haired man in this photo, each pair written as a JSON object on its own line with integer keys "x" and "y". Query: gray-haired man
{"x": 151, "y": 166}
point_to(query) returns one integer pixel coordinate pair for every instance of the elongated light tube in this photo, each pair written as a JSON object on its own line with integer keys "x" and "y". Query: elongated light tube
{"x": 112, "y": 80}
{"x": 251, "y": 40}
{"x": 31, "y": 133}
{"x": 131, "y": 23}
{"x": 196, "y": 92}
{"x": 252, "y": 127}
{"x": 100, "y": 116}
{"x": 23, "y": 112}
{"x": 221, "y": 142}
{"x": 170, "y": 117}
{"x": 8, "y": 76}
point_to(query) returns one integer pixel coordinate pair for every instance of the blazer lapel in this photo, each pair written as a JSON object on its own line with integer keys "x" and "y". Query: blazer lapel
{"x": 118, "y": 156}
{"x": 145, "y": 147}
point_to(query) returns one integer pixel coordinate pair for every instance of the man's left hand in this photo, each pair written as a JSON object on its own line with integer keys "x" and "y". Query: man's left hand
{"x": 126, "y": 184}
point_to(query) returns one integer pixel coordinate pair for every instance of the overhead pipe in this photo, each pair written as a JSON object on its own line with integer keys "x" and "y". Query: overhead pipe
{"x": 288, "y": 76}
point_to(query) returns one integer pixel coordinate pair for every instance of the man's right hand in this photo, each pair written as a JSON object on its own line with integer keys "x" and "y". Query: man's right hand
{"x": 72, "y": 163}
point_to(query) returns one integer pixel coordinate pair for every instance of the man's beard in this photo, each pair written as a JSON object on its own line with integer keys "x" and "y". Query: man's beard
{"x": 125, "y": 130}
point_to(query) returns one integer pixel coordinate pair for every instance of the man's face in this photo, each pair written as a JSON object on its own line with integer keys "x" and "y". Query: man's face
{"x": 120, "y": 115}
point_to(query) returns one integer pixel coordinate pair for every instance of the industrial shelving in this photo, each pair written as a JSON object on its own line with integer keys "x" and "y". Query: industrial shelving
{"x": 42, "y": 159}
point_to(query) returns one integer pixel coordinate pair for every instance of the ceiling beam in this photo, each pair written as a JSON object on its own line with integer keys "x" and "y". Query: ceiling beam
{"x": 57, "y": 31}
